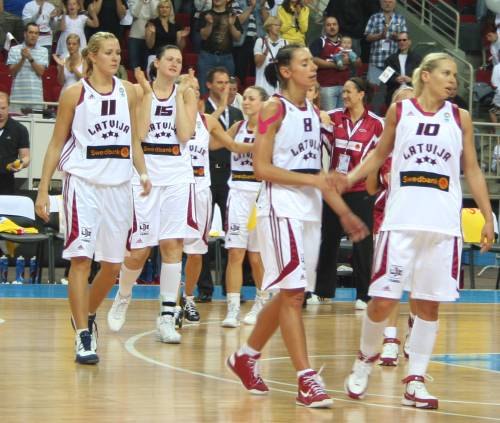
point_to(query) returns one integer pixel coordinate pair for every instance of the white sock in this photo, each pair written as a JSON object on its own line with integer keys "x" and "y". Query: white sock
{"x": 371, "y": 336}
{"x": 303, "y": 372}
{"x": 247, "y": 350}
{"x": 233, "y": 298}
{"x": 170, "y": 280}
{"x": 422, "y": 339}
{"x": 127, "y": 280}
{"x": 79, "y": 331}
{"x": 262, "y": 293}
{"x": 390, "y": 332}
{"x": 190, "y": 298}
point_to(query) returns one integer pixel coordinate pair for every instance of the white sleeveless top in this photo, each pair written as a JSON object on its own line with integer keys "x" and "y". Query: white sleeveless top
{"x": 167, "y": 160}
{"x": 425, "y": 192}
{"x": 242, "y": 175}
{"x": 198, "y": 149}
{"x": 69, "y": 77}
{"x": 297, "y": 147}
{"x": 99, "y": 146}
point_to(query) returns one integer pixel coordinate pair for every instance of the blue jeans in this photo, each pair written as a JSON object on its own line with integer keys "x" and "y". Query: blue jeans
{"x": 207, "y": 61}
{"x": 373, "y": 73}
{"x": 331, "y": 97}
{"x": 137, "y": 53}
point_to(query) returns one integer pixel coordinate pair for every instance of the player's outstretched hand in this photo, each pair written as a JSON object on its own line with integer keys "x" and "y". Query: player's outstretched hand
{"x": 354, "y": 227}
{"x": 337, "y": 181}
{"x": 487, "y": 236}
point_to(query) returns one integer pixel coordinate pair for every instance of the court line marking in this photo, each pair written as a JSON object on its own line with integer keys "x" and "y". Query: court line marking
{"x": 2, "y": 321}
{"x": 130, "y": 347}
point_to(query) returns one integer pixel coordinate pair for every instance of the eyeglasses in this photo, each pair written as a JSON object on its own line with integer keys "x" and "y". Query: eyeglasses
{"x": 402, "y": 39}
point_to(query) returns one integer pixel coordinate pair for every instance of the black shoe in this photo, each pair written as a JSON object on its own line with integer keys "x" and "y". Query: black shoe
{"x": 203, "y": 298}
{"x": 191, "y": 313}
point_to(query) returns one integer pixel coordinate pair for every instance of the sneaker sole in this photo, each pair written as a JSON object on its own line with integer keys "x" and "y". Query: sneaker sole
{"x": 352, "y": 395}
{"x": 160, "y": 339}
{"x": 326, "y": 403}
{"x": 226, "y": 325}
{"x": 87, "y": 361}
{"x": 427, "y": 405}
{"x": 388, "y": 362}
{"x": 252, "y": 391}
{"x": 193, "y": 322}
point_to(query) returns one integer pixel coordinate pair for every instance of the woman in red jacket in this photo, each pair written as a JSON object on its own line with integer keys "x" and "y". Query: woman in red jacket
{"x": 356, "y": 131}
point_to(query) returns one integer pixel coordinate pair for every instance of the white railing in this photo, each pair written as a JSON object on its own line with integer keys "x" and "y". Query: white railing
{"x": 487, "y": 142}
{"x": 440, "y": 16}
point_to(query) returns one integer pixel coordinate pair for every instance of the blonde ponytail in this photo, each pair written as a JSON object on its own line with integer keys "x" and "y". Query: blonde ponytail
{"x": 429, "y": 63}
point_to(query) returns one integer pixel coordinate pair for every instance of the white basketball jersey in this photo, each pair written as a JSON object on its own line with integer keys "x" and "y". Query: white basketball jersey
{"x": 167, "y": 160}
{"x": 425, "y": 192}
{"x": 198, "y": 149}
{"x": 242, "y": 175}
{"x": 297, "y": 147}
{"x": 99, "y": 146}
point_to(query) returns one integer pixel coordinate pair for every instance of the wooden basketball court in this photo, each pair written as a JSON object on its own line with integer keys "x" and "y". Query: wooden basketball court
{"x": 142, "y": 380}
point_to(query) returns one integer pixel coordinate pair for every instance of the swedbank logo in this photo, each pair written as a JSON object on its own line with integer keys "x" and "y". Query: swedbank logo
{"x": 108, "y": 152}
{"x": 426, "y": 180}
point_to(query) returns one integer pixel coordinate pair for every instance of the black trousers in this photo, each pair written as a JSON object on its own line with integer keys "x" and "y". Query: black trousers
{"x": 243, "y": 66}
{"x": 205, "y": 282}
{"x": 361, "y": 203}
{"x": 7, "y": 184}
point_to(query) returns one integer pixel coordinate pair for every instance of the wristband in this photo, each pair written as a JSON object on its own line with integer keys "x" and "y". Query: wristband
{"x": 144, "y": 178}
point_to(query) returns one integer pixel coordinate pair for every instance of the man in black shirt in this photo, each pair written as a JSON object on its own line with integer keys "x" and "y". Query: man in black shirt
{"x": 14, "y": 147}
{"x": 220, "y": 160}
{"x": 218, "y": 29}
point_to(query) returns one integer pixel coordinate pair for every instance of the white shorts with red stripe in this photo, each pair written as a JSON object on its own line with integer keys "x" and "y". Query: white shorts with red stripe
{"x": 289, "y": 249}
{"x": 199, "y": 245}
{"x": 98, "y": 219}
{"x": 168, "y": 212}
{"x": 425, "y": 263}
{"x": 240, "y": 204}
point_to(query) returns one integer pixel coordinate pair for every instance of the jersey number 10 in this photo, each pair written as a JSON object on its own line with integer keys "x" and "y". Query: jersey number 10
{"x": 429, "y": 129}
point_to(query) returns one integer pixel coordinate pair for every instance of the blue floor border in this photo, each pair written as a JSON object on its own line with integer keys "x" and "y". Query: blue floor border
{"x": 150, "y": 292}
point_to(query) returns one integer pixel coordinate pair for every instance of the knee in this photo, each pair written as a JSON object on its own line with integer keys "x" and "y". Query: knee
{"x": 254, "y": 260}
{"x": 235, "y": 256}
{"x": 428, "y": 310}
{"x": 81, "y": 264}
{"x": 110, "y": 269}
{"x": 195, "y": 259}
{"x": 380, "y": 308}
{"x": 171, "y": 250}
{"x": 136, "y": 259}
{"x": 293, "y": 299}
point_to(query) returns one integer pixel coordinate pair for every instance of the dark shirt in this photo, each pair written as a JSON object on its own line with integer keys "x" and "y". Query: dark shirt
{"x": 14, "y": 6}
{"x": 459, "y": 101}
{"x": 14, "y": 137}
{"x": 163, "y": 37}
{"x": 220, "y": 160}
{"x": 109, "y": 21}
{"x": 220, "y": 40}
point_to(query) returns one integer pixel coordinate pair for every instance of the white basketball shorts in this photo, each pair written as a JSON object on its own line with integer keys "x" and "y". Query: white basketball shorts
{"x": 289, "y": 249}
{"x": 98, "y": 220}
{"x": 240, "y": 204}
{"x": 168, "y": 212}
{"x": 199, "y": 245}
{"x": 425, "y": 263}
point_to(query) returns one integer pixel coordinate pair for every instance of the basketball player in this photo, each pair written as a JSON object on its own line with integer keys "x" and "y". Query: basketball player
{"x": 96, "y": 160}
{"x": 209, "y": 135}
{"x": 377, "y": 184}
{"x": 167, "y": 216}
{"x": 420, "y": 239}
{"x": 287, "y": 158}
{"x": 243, "y": 191}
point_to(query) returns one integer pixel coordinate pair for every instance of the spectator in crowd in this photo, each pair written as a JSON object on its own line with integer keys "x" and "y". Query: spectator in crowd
{"x": 265, "y": 51}
{"x": 331, "y": 76}
{"x": 219, "y": 29}
{"x": 494, "y": 40}
{"x": 27, "y": 64}
{"x": 495, "y": 105}
{"x": 382, "y": 31}
{"x": 73, "y": 22}
{"x": 346, "y": 53}
{"x": 355, "y": 133}
{"x": 163, "y": 30}
{"x": 404, "y": 62}
{"x": 200, "y": 6}
{"x": 42, "y": 13}
{"x": 11, "y": 19}
{"x": 351, "y": 18}
{"x": 70, "y": 68}
{"x": 109, "y": 13}
{"x": 294, "y": 17}
{"x": 234, "y": 99}
{"x": 250, "y": 14}
{"x": 456, "y": 99}
{"x": 144, "y": 11}
{"x": 218, "y": 106}
{"x": 14, "y": 147}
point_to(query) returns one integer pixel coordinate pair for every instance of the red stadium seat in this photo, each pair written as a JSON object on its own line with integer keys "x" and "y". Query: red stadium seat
{"x": 5, "y": 81}
{"x": 183, "y": 19}
{"x": 189, "y": 60}
{"x": 483, "y": 75}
